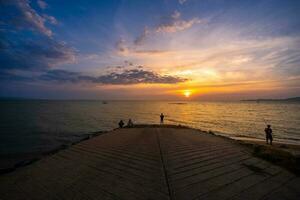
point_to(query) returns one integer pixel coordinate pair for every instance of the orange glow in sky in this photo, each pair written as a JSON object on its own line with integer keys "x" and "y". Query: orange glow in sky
{"x": 160, "y": 50}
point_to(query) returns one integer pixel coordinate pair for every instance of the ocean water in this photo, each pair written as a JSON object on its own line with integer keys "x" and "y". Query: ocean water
{"x": 30, "y": 126}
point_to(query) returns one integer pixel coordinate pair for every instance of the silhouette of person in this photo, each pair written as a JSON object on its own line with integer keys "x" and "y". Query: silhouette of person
{"x": 269, "y": 136}
{"x": 121, "y": 124}
{"x": 129, "y": 123}
{"x": 162, "y": 118}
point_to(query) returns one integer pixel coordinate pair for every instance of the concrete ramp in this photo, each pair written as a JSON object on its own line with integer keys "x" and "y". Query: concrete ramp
{"x": 151, "y": 163}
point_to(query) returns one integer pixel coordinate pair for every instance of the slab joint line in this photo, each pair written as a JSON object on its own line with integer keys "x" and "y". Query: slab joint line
{"x": 164, "y": 166}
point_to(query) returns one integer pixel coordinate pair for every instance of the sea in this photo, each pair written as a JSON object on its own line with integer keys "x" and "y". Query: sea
{"x": 35, "y": 126}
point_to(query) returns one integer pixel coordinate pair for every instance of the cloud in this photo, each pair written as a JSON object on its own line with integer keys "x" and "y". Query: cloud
{"x": 121, "y": 46}
{"x": 23, "y": 16}
{"x": 51, "y": 19}
{"x": 35, "y": 55}
{"x": 120, "y": 75}
{"x": 42, "y": 4}
{"x": 169, "y": 24}
{"x": 61, "y": 76}
{"x": 124, "y": 49}
{"x": 10, "y": 76}
{"x": 174, "y": 24}
{"x": 29, "y": 52}
{"x": 151, "y": 52}
{"x": 141, "y": 38}
{"x": 136, "y": 75}
{"x": 182, "y": 1}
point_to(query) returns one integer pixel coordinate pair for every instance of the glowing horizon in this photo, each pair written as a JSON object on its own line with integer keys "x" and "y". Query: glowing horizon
{"x": 150, "y": 50}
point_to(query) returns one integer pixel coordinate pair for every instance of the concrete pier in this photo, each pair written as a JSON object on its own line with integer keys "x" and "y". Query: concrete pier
{"x": 151, "y": 163}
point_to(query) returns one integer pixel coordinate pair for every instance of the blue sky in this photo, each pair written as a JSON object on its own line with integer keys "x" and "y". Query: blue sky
{"x": 213, "y": 49}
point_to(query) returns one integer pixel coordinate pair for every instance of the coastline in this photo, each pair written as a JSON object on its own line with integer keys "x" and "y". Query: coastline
{"x": 289, "y": 147}
{"x": 11, "y": 162}
{"x": 281, "y": 154}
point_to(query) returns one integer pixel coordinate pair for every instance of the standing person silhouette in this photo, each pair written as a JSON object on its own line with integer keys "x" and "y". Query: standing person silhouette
{"x": 162, "y": 118}
{"x": 269, "y": 136}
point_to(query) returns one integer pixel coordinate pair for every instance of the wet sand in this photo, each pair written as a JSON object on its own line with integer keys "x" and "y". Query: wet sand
{"x": 152, "y": 162}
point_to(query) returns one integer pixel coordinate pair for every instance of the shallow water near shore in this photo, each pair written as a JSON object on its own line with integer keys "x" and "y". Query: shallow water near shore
{"x": 30, "y": 126}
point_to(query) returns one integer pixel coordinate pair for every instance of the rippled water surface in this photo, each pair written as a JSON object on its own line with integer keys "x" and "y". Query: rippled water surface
{"x": 31, "y": 126}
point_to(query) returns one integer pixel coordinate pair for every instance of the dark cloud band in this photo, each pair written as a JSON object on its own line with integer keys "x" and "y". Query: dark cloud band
{"x": 129, "y": 76}
{"x": 137, "y": 75}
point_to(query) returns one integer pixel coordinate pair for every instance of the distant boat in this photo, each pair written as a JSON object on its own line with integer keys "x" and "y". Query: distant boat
{"x": 104, "y": 102}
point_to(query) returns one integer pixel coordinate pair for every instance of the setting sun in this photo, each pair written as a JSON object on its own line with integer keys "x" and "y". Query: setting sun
{"x": 187, "y": 93}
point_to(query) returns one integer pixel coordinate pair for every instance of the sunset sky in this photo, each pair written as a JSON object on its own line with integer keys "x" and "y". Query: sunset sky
{"x": 138, "y": 49}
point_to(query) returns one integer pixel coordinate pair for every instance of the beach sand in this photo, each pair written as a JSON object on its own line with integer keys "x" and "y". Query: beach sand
{"x": 154, "y": 162}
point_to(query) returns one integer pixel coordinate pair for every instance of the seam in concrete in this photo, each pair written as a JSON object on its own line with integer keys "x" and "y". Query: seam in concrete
{"x": 163, "y": 165}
